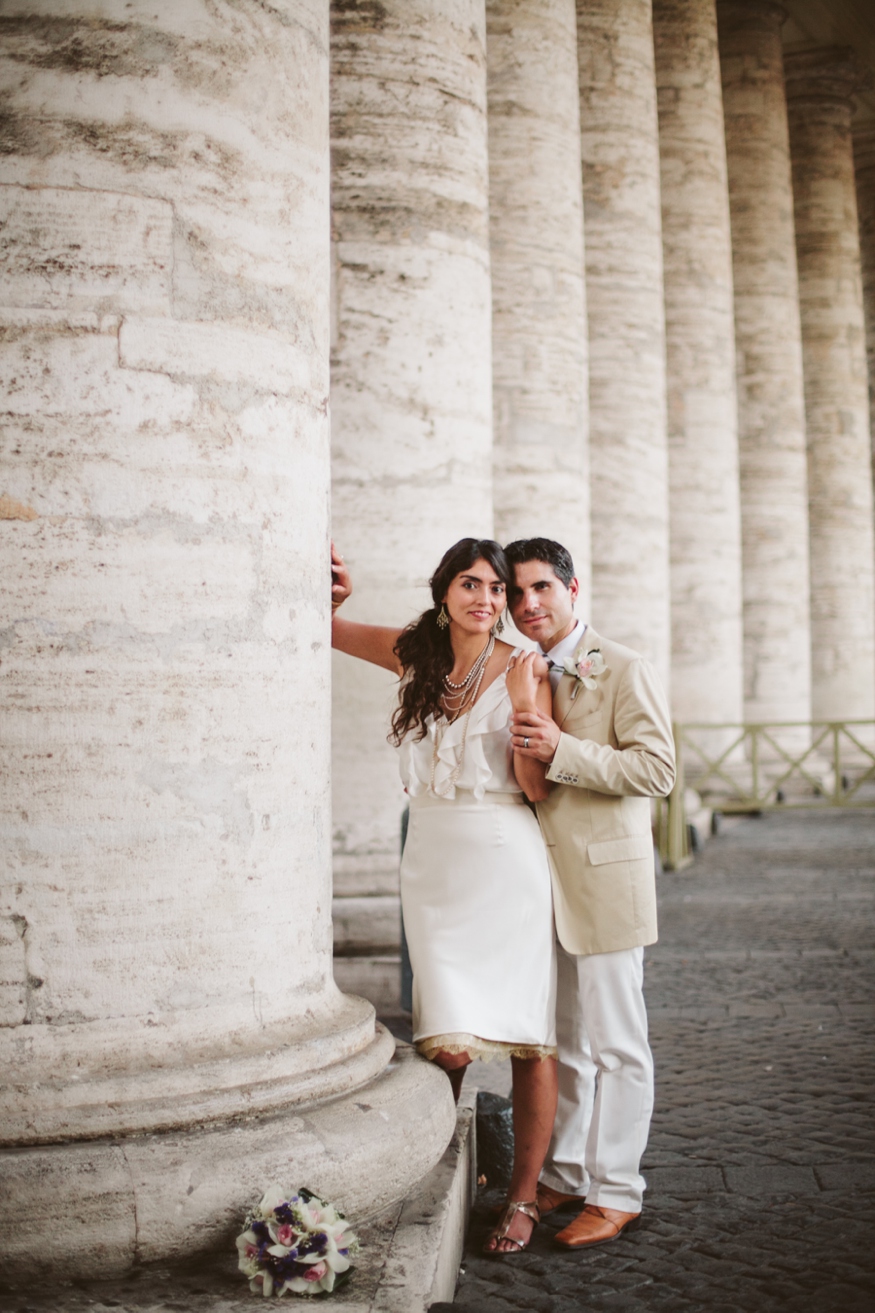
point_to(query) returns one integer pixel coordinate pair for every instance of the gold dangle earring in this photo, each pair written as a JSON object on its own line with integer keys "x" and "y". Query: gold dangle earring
{"x": 498, "y": 627}
{"x": 442, "y": 619}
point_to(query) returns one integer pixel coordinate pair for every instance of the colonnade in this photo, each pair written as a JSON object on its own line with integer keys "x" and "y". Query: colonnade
{"x": 820, "y": 84}
{"x": 773, "y": 478}
{"x": 539, "y": 258}
{"x": 539, "y": 334}
{"x": 411, "y": 391}
{"x": 704, "y": 505}
{"x": 172, "y": 1039}
{"x": 679, "y": 306}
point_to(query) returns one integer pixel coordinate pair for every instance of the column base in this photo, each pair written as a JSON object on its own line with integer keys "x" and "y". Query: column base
{"x": 100, "y": 1208}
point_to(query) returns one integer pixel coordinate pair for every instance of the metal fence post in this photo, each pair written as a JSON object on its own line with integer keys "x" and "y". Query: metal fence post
{"x": 836, "y": 764}
{"x": 677, "y": 842}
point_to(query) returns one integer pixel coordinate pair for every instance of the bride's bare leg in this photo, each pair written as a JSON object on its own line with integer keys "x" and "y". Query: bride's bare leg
{"x": 535, "y": 1095}
{"x": 454, "y": 1065}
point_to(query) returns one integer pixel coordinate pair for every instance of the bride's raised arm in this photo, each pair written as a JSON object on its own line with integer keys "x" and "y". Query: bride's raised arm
{"x": 374, "y": 643}
{"x": 528, "y": 683}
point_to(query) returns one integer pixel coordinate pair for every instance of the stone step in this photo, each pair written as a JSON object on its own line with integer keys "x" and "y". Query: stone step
{"x": 367, "y": 926}
{"x": 365, "y": 874}
{"x": 378, "y": 979}
{"x": 410, "y": 1253}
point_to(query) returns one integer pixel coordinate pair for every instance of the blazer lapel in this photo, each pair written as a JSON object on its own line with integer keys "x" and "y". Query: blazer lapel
{"x": 564, "y": 699}
{"x": 562, "y": 703}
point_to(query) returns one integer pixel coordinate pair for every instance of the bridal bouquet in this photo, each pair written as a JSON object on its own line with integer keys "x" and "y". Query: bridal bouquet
{"x": 296, "y": 1243}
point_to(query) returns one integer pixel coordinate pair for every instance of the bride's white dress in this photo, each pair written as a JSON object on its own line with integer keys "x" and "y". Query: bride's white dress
{"x": 475, "y": 893}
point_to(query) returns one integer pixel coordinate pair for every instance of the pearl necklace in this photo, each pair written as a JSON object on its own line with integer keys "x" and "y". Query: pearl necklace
{"x": 469, "y": 697}
{"x": 476, "y": 668}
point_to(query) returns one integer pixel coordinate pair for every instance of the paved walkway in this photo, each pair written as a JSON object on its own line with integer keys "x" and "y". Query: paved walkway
{"x": 761, "y": 1163}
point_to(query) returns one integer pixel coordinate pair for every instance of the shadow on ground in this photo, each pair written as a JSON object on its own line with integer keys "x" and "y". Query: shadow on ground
{"x": 761, "y": 1163}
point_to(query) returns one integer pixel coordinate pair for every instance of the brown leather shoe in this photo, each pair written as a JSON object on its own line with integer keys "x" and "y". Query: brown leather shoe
{"x": 596, "y": 1226}
{"x": 549, "y": 1199}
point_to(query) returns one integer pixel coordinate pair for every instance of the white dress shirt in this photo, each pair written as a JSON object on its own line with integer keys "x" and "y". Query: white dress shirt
{"x": 562, "y": 650}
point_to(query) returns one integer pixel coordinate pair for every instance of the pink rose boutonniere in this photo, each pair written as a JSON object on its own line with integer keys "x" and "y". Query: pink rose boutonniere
{"x": 586, "y": 668}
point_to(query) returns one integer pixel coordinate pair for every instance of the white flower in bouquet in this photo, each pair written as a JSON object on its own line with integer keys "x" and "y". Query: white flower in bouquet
{"x": 295, "y": 1242}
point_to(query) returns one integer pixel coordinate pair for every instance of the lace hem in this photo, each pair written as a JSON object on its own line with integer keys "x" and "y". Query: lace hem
{"x": 487, "y": 1050}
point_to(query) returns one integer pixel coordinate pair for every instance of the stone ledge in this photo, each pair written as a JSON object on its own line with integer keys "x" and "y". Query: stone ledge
{"x": 410, "y": 1257}
{"x": 423, "y": 1259}
{"x": 122, "y": 1205}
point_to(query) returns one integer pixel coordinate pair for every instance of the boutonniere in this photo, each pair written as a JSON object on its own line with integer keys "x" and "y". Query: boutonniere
{"x": 586, "y": 668}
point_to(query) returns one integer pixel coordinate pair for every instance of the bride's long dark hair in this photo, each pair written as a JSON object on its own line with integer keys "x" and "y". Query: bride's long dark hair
{"x": 424, "y": 649}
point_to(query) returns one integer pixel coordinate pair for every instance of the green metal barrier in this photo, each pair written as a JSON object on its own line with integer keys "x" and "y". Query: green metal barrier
{"x": 756, "y": 770}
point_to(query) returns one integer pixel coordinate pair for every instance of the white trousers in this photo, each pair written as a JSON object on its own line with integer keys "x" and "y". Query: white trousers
{"x": 605, "y": 1079}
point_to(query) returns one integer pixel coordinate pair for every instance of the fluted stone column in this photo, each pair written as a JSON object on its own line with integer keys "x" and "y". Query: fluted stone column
{"x": 773, "y": 479}
{"x": 624, "y": 292}
{"x": 707, "y": 681}
{"x": 864, "y": 168}
{"x": 172, "y": 1037}
{"x": 819, "y": 88}
{"x": 411, "y": 366}
{"x": 539, "y": 352}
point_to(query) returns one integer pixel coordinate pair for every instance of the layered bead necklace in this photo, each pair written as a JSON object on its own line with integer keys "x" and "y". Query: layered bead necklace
{"x": 458, "y": 701}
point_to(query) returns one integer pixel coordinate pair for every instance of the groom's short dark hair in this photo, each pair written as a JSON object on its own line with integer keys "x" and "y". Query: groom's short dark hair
{"x": 542, "y": 549}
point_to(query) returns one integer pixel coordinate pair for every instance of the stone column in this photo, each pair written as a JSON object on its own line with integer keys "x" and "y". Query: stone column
{"x": 864, "y": 168}
{"x": 411, "y": 364}
{"x": 624, "y": 292}
{"x": 172, "y": 1037}
{"x": 700, "y": 350}
{"x": 819, "y": 87}
{"x": 539, "y": 353}
{"x": 774, "y": 497}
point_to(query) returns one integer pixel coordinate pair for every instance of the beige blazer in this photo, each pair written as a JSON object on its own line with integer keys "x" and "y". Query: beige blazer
{"x": 615, "y": 753}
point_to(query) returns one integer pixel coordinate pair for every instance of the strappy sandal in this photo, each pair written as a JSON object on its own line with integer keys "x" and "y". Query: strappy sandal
{"x": 531, "y": 1210}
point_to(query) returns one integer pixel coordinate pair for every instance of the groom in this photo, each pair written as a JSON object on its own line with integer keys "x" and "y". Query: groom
{"x": 610, "y": 750}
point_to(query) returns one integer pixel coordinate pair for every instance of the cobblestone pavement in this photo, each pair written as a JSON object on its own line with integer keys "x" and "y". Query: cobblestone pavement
{"x": 761, "y": 1163}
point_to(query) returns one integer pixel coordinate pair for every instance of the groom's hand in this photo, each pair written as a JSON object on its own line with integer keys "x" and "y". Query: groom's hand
{"x": 539, "y": 729}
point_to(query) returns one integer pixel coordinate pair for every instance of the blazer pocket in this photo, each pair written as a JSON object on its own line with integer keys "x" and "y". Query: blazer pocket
{"x": 631, "y": 848}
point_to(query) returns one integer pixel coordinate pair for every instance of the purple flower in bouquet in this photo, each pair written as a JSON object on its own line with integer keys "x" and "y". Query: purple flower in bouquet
{"x": 295, "y": 1243}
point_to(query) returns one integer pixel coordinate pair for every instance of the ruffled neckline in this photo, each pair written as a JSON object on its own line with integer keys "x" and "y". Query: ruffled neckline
{"x": 489, "y": 715}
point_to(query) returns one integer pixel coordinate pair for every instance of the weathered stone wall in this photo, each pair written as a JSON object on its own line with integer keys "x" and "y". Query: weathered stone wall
{"x": 411, "y": 367}
{"x": 773, "y": 479}
{"x": 864, "y": 169}
{"x": 700, "y": 353}
{"x": 539, "y": 353}
{"x": 819, "y": 86}
{"x": 166, "y": 928}
{"x": 166, "y": 379}
{"x": 624, "y": 292}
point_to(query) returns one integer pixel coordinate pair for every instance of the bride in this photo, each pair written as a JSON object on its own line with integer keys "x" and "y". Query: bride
{"x": 475, "y": 883}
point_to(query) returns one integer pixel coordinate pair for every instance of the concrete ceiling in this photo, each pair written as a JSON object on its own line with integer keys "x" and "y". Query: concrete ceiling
{"x": 836, "y": 23}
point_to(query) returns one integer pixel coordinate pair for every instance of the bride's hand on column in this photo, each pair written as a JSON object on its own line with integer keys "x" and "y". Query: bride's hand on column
{"x": 374, "y": 643}
{"x": 341, "y": 584}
